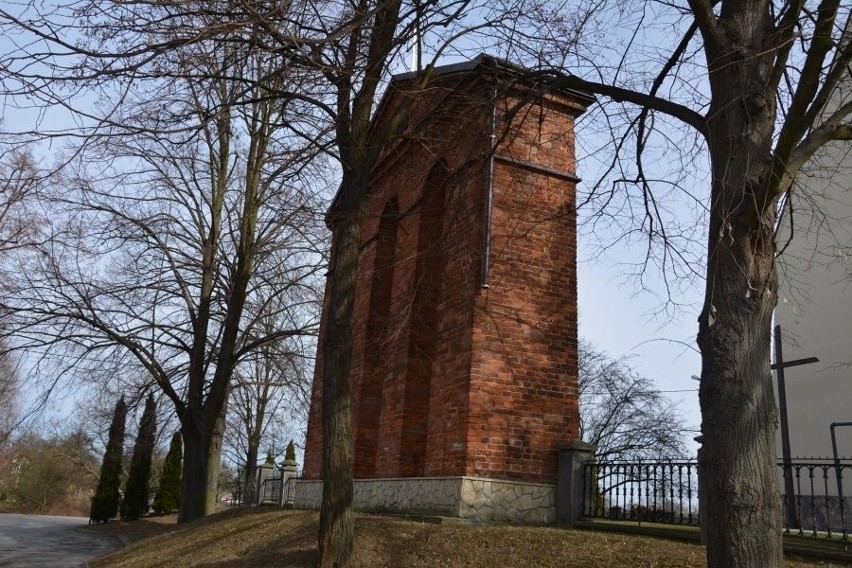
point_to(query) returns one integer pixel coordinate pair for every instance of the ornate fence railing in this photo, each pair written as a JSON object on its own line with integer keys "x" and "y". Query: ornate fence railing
{"x": 643, "y": 491}
{"x": 266, "y": 491}
{"x": 820, "y": 503}
{"x": 271, "y": 490}
{"x": 666, "y": 491}
{"x": 230, "y": 493}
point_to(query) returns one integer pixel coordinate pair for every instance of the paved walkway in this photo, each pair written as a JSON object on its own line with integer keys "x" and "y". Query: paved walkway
{"x": 31, "y": 541}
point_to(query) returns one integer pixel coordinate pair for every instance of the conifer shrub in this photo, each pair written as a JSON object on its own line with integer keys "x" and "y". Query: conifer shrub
{"x": 168, "y": 492}
{"x": 135, "y": 502}
{"x": 290, "y": 454}
{"x": 105, "y": 501}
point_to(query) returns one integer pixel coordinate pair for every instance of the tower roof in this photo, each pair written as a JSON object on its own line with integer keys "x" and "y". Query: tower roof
{"x": 483, "y": 65}
{"x": 486, "y": 62}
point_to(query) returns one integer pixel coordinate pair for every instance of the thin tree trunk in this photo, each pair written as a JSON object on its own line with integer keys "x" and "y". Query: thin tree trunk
{"x": 337, "y": 524}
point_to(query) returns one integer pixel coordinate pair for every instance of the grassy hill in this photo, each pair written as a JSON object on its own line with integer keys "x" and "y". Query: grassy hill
{"x": 267, "y": 537}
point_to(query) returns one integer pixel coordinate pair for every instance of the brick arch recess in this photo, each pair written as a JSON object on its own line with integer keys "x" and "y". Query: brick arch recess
{"x": 370, "y": 395}
{"x": 423, "y": 333}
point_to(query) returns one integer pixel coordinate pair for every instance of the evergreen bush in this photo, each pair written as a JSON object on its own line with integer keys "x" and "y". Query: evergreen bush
{"x": 290, "y": 454}
{"x": 105, "y": 501}
{"x": 168, "y": 492}
{"x": 135, "y": 502}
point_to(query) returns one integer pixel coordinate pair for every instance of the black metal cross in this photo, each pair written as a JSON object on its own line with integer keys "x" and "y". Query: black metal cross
{"x": 779, "y": 366}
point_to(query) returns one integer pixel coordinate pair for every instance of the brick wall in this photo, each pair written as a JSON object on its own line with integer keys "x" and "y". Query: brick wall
{"x": 449, "y": 377}
{"x": 524, "y": 373}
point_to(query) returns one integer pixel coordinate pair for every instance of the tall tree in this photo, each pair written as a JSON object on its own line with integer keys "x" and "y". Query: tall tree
{"x": 185, "y": 213}
{"x": 270, "y": 394}
{"x": 356, "y": 66}
{"x": 9, "y": 397}
{"x": 622, "y": 413}
{"x": 105, "y": 501}
{"x": 168, "y": 491}
{"x": 50, "y": 474}
{"x": 135, "y": 501}
{"x": 347, "y": 48}
{"x": 365, "y": 54}
{"x": 19, "y": 228}
{"x": 746, "y": 86}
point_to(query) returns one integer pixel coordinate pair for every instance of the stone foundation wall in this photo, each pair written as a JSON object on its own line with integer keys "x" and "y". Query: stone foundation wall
{"x": 472, "y": 498}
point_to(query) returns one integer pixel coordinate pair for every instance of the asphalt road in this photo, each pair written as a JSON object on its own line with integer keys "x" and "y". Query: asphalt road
{"x": 35, "y": 541}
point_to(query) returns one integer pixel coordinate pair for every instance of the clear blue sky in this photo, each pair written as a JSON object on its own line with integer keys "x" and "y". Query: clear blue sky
{"x": 620, "y": 322}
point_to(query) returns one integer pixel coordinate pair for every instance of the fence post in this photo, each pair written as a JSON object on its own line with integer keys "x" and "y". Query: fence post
{"x": 288, "y": 471}
{"x": 702, "y": 493}
{"x": 264, "y": 472}
{"x": 573, "y": 479}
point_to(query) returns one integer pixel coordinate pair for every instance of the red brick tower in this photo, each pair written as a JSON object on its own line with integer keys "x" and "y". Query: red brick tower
{"x": 465, "y": 341}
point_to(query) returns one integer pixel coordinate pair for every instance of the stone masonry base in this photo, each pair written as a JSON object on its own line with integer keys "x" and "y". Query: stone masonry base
{"x": 472, "y": 498}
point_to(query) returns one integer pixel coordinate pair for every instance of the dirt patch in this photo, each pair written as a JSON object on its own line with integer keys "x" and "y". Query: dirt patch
{"x": 131, "y": 531}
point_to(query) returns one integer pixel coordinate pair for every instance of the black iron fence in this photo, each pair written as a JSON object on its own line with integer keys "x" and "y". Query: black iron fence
{"x": 666, "y": 491}
{"x": 270, "y": 491}
{"x": 230, "y": 493}
{"x": 650, "y": 491}
{"x": 820, "y": 504}
{"x": 276, "y": 491}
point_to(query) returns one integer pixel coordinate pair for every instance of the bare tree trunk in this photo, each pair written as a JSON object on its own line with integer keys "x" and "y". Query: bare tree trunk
{"x": 201, "y": 460}
{"x": 192, "y": 488}
{"x": 214, "y": 459}
{"x": 739, "y": 422}
{"x": 250, "y": 477}
{"x": 337, "y": 523}
{"x": 254, "y": 431}
{"x": 739, "y": 417}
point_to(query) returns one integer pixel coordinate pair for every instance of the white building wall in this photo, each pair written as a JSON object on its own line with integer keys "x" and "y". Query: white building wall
{"x": 815, "y": 300}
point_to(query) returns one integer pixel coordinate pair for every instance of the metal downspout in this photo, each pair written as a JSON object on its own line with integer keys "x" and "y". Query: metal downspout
{"x": 489, "y": 192}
